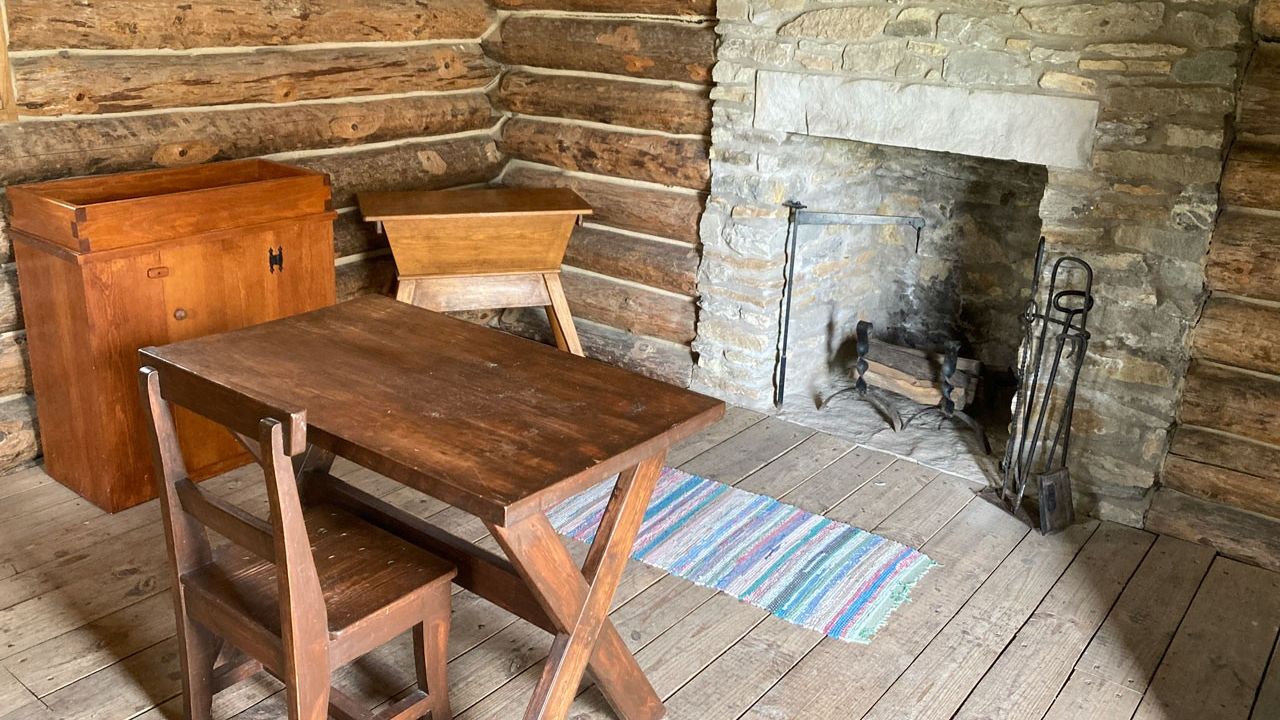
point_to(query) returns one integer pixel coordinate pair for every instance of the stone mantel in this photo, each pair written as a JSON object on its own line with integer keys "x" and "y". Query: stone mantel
{"x": 1031, "y": 128}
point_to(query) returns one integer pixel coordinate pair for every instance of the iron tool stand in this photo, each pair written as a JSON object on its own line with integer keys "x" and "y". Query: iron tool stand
{"x": 1051, "y": 402}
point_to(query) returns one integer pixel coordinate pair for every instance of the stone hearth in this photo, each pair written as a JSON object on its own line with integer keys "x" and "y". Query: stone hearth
{"x": 1101, "y": 123}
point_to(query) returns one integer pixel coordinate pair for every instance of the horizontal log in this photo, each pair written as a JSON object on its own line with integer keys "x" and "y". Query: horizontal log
{"x": 352, "y": 235}
{"x": 645, "y": 209}
{"x": 140, "y": 24}
{"x": 1244, "y": 258}
{"x": 89, "y": 84}
{"x": 630, "y": 307}
{"x": 657, "y": 263}
{"x": 636, "y": 48}
{"x": 659, "y": 359}
{"x": 1232, "y": 401}
{"x": 630, "y": 103}
{"x": 658, "y": 159}
{"x": 1233, "y": 532}
{"x": 6, "y": 243}
{"x": 1252, "y": 178}
{"x": 1227, "y": 451}
{"x": 1239, "y": 333}
{"x": 1259, "y": 113}
{"x": 18, "y": 442}
{"x": 427, "y": 165}
{"x": 365, "y": 277}
{"x": 46, "y": 150}
{"x": 685, "y": 8}
{"x": 15, "y": 371}
{"x": 1248, "y": 492}
{"x": 10, "y": 306}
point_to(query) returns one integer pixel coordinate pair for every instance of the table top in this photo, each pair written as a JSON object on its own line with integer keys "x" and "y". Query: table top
{"x": 410, "y": 204}
{"x": 494, "y": 424}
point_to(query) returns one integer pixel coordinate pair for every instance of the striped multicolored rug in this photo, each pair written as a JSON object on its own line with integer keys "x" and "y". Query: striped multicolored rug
{"x": 804, "y": 568}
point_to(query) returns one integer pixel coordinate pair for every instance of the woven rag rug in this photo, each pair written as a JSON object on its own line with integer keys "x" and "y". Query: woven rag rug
{"x": 803, "y": 568}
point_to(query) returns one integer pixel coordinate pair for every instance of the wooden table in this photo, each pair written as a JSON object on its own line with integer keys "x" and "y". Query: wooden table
{"x": 499, "y": 426}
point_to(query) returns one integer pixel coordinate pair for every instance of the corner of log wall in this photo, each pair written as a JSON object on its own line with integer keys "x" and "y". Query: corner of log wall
{"x": 612, "y": 99}
{"x": 1221, "y": 480}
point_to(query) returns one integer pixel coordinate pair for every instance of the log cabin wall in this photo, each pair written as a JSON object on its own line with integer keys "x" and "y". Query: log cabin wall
{"x": 612, "y": 99}
{"x": 382, "y": 94}
{"x": 1221, "y": 480}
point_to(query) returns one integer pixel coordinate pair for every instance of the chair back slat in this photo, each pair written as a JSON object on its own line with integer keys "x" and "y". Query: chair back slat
{"x": 229, "y": 407}
{"x": 276, "y": 434}
{"x": 187, "y": 541}
{"x": 303, "y": 618}
{"x": 242, "y": 528}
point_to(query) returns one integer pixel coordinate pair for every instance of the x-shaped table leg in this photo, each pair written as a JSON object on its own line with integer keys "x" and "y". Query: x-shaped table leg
{"x": 577, "y": 601}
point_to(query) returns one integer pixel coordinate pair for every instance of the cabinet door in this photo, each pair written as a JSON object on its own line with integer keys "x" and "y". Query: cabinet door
{"x": 248, "y": 277}
{"x": 241, "y": 279}
{"x": 279, "y": 272}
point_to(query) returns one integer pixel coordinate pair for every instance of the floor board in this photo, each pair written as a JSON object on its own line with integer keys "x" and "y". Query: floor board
{"x": 843, "y": 680}
{"x": 797, "y": 465}
{"x": 1215, "y": 663}
{"x": 1101, "y": 621}
{"x": 735, "y": 420}
{"x": 1129, "y": 645}
{"x": 1267, "y": 704}
{"x": 748, "y": 451}
{"x": 1112, "y": 674}
{"x": 946, "y": 671}
{"x": 883, "y": 494}
{"x": 1026, "y": 678}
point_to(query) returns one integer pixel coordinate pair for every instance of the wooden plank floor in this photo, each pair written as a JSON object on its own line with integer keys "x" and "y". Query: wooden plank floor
{"x": 1101, "y": 621}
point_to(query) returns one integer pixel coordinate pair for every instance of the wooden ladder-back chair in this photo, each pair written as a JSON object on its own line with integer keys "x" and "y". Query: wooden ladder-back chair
{"x": 299, "y": 595}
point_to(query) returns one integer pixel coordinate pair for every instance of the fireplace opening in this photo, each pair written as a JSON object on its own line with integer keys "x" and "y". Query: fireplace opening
{"x": 962, "y": 287}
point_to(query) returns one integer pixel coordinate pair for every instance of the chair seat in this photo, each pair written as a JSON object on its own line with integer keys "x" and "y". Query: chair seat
{"x": 364, "y": 571}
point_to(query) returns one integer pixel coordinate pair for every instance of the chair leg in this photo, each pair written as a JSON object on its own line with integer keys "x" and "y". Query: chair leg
{"x": 431, "y": 654}
{"x": 307, "y": 692}
{"x": 198, "y": 649}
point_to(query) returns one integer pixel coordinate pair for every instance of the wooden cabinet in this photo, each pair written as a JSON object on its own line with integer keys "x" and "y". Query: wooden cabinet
{"x": 108, "y": 265}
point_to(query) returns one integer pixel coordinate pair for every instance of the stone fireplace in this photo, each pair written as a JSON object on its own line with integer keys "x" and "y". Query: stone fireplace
{"x": 1100, "y": 126}
{"x": 964, "y": 276}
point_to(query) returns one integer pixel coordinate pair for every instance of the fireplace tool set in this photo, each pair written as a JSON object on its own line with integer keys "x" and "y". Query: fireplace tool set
{"x": 1055, "y": 339}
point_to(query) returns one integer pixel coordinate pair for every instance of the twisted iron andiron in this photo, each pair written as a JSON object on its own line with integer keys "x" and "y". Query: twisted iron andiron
{"x": 1044, "y": 395}
{"x": 946, "y": 406}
